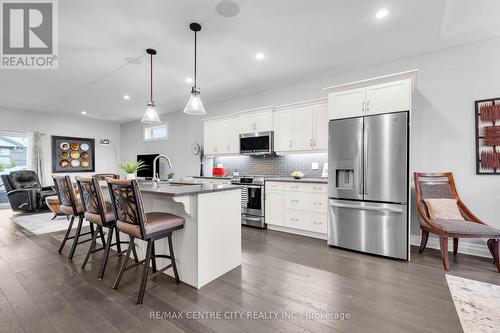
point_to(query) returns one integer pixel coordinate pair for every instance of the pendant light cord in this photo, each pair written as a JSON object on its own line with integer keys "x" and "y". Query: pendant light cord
{"x": 195, "y": 59}
{"x": 151, "y": 79}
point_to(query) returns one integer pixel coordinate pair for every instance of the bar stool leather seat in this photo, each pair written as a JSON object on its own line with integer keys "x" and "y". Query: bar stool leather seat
{"x": 157, "y": 222}
{"x": 96, "y": 218}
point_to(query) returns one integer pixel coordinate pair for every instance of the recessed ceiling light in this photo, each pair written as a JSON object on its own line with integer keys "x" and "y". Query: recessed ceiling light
{"x": 126, "y": 97}
{"x": 84, "y": 112}
{"x": 189, "y": 80}
{"x": 382, "y": 13}
{"x": 259, "y": 56}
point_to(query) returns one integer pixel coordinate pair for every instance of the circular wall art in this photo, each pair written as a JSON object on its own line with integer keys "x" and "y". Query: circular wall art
{"x": 75, "y": 154}
{"x": 75, "y": 163}
{"x": 84, "y": 147}
{"x": 64, "y": 163}
{"x": 85, "y": 163}
{"x": 75, "y": 146}
{"x": 64, "y": 146}
{"x": 64, "y": 154}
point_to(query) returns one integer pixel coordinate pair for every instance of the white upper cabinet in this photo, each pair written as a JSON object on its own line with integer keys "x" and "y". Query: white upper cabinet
{"x": 256, "y": 122}
{"x": 347, "y": 103}
{"x": 210, "y": 137}
{"x": 303, "y": 128}
{"x": 320, "y": 139}
{"x": 388, "y": 97}
{"x": 221, "y": 137}
{"x": 283, "y": 130}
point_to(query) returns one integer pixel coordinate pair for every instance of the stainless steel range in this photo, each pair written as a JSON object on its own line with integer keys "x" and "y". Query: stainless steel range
{"x": 252, "y": 200}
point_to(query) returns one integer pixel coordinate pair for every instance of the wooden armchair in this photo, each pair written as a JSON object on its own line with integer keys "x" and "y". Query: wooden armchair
{"x": 442, "y": 185}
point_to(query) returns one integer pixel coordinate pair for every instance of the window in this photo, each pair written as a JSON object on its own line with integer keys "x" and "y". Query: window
{"x": 13, "y": 156}
{"x": 156, "y": 132}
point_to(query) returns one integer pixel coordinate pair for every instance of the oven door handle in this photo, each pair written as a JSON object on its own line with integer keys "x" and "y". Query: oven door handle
{"x": 255, "y": 219}
{"x": 252, "y": 186}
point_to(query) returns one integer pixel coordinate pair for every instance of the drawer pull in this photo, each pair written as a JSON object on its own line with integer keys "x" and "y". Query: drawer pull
{"x": 318, "y": 203}
{"x": 297, "y": 201}
{"x": 317, "y": 188}
{"x": 293, "y": 219}
{"x": 315, "y": 222}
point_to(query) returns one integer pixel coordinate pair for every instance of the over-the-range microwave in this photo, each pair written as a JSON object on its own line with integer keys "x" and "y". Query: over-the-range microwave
{"x": 260, "y": 143}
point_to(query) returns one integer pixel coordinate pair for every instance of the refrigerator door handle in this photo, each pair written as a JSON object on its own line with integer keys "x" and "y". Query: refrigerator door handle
{"x": 366, "y": 145}
{"x": 360, "y": 174}
{"x": 373, "y": 208}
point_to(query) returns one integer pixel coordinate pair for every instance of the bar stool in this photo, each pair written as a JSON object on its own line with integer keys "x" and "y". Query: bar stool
{"x": 126, "y": 200}
{"x": 103, "y": 176}
{"x": 73, "y": 207}
{"x": 99, "y": 212}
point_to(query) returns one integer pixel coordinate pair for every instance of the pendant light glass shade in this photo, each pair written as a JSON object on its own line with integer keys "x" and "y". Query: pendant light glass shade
{"x": 151, "y": 116}
{"x": 194, "y": 106}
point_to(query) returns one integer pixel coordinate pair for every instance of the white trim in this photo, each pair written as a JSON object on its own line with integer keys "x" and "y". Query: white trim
{"x": 465, "y": 246}
{"x": 310, "y": 102}
{"x": 297, "y": 231}
{"x": 379, "y": 79}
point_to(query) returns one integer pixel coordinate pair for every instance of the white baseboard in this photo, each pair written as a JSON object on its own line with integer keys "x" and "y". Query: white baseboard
{"x": 465, "y": 246}
{"x": 297, "y": 231}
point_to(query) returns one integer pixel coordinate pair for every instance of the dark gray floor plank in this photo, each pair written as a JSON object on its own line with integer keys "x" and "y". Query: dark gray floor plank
{"x": 40, "y": 291}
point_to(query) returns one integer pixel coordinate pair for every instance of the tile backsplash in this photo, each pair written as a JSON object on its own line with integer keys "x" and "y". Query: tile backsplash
{"x": 277, "y": 165}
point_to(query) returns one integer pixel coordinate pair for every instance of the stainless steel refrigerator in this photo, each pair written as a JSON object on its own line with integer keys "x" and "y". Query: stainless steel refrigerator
{"x": 368, "y": 184}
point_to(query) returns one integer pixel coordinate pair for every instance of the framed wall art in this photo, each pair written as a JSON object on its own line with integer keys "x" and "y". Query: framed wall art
{"x": 487, "y": 115}
{"x": 71, "y": 154}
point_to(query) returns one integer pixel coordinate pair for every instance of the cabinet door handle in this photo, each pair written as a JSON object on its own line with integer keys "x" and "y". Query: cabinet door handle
{"x": 363, "y": 107}
{"x": 315, "y": 222}
{"x": 297, "y": 201}
{"x": 290, "y": 144}
{"x": 317, "y": 203}
{"x": 228, "y": 148}
{"x": 293, "y": 219}
{"x": 368, "y": 106}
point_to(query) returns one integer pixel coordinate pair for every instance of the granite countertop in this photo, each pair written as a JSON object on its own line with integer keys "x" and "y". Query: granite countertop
{"x": 293, "y": 180}
{"x": 177, "y": 189}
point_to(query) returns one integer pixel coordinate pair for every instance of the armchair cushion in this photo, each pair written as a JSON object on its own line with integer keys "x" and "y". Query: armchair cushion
{"x": 441, "y": 208}
{"x": 24, "y": 179}
{"x": 466, "y": 227}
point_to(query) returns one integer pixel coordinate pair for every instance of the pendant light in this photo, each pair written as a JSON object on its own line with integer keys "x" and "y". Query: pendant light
{"x": 151, "y": 116}
{"x": 194, "y": 105}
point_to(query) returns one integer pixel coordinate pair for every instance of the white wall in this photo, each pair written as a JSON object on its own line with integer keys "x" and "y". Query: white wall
{"x": 52, "y": 124}
{"x": 448, "y": 83}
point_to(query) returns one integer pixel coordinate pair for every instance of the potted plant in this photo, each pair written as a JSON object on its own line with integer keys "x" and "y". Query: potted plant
{"x": 131, "y": 168}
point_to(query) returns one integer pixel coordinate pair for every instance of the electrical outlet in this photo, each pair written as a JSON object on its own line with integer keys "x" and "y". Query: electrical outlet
{"x": 314, "y": 166}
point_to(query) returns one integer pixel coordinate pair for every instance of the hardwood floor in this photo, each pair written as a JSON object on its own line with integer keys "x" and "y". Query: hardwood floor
{"x": 40, "y": 291}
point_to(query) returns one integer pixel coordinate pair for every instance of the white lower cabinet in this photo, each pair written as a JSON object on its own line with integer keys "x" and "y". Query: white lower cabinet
{"x": 274, "y": 207}
{"x": 297, "y": 208}
{"x": 315, "y": 222}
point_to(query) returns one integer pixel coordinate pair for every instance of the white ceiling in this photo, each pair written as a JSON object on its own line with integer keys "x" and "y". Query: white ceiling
{"x": 300, "y": 38}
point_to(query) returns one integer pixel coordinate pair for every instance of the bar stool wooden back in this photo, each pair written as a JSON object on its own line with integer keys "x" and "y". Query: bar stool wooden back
{"x": 99, "y": 212}
{"x": 103, "y": 176}
{"x": 71, "y": 206}
{"x": 131, "y": 219}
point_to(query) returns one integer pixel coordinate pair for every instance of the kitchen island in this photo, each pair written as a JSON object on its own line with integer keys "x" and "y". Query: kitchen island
{"x": 209, "y": 245}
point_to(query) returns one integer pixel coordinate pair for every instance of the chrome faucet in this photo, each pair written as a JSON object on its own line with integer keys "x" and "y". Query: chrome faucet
{"x": 156, "y": 178}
